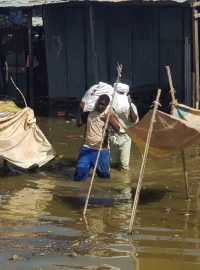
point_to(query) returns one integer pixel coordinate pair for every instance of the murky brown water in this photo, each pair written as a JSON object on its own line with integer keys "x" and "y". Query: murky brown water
{"x": 41, "y": 214}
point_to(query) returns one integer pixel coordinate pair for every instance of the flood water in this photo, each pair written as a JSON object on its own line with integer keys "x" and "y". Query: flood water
{"x": 41, "y": 213}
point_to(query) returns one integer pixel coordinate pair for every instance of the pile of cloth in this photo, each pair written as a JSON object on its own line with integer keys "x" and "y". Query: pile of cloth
{"x": 8, "y": 108}
{"x": 22, "y": 143}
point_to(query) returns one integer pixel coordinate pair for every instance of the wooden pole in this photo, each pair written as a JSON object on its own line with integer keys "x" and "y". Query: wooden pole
{"x": 185, "y": 175}
{"x": 137, "y": 193}
{"x": 94, "y": 54}
{"x": 19, "y": 91}
{"x": 30, "y": 45}
{"x": 119, "y": 70}
{"x": 174, "y": 101}
{"x": 193, "y": 91}
{"x": 196, "y": 56}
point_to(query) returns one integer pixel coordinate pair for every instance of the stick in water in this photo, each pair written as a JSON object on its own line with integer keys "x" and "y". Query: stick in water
{"x": 174, "y": 101}
{"x": 119, "y": 70}
{"x": 137, "y": 193}
{"x": 19, "y": 91}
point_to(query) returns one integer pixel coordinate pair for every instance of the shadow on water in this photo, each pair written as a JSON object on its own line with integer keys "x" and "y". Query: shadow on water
{"x": 150, "y": 195}
{"x": 56, "y": 166}
{"x": 107, "y": 199}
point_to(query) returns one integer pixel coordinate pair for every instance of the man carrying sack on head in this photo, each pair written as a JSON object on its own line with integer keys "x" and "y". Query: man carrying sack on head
{"x": 120, "y": 142}
{"x": 95, "y": 124}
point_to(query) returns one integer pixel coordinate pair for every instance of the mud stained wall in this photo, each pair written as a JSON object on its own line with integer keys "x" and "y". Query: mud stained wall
{"x": 142, "y": 39}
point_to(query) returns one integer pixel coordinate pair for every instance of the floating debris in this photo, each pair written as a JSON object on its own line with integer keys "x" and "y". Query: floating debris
{"x": 15, "y": 258}
{"x": 72, "y": 254}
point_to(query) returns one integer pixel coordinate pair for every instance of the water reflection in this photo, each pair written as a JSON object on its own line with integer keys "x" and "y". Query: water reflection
{"x": 28, "y": 203}
{"x": 166, "y": 231}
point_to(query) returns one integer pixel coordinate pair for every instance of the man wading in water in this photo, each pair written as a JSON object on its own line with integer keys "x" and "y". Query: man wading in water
{"x": 95, "y": 122}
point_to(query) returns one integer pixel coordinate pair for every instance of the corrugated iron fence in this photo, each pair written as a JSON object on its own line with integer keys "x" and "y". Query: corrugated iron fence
{"x": 142, "y": 39}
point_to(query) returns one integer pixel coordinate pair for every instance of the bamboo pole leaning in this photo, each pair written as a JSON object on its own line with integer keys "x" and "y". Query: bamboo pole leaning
{"x": 171, "y": 89}
{"x": 119, "y": 71}
{"x": 174, "y": 102}
{"x": 19, "y": 91}
{"x": 144, "y": 159}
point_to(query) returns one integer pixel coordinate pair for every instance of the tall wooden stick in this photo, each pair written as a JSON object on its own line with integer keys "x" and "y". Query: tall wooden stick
{"x": 119, "y": 70}
{"x": 174, "y": 101}
{"x": 196, "y": 55}
{"x": 137, "y": 193}
{"x": 171, "y": 87}
{"x": 185, "y": 175}
{"x": 19, "y": 91}
{"x": 30, "y": 47}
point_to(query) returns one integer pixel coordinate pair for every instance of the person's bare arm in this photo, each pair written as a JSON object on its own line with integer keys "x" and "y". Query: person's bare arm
{"x": 133, "y": 115}
{"x": 81, "y": 118}
{"x": 114, "y": 122}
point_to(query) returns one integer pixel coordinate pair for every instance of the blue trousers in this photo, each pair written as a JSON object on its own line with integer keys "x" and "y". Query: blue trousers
{"x": 87, "y": 158}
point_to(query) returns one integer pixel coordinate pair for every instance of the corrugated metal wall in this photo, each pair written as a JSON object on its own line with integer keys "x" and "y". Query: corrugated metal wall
{"x": 120, "y": 44}
{"x": 75, "y": 50}
{"x": 171, "y": 48}
{"x": 145, "y": 47}
{"x": 100, "y": 40}
{"x": 55, "y": 37}
{"x": 142, "y": 39}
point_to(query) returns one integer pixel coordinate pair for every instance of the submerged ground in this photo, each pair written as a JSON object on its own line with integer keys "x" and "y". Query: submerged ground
{"x": 42, "y": 226}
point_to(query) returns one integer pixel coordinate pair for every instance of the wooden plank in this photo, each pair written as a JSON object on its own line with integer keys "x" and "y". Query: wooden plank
{"x": 196, "y": 57}
{"x": 30, "y": 45}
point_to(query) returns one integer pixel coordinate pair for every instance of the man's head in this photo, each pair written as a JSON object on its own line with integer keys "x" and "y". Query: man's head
{"x": 102, "y": 103}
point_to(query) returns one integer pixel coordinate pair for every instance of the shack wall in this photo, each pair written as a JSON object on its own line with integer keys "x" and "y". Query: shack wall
{"x": 142, "y": 39}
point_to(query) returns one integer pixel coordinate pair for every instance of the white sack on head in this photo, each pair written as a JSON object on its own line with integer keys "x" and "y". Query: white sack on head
{"x": 122, "y": 87}
{"x": 91, "y": 96}
{"x": 120, "y": 103}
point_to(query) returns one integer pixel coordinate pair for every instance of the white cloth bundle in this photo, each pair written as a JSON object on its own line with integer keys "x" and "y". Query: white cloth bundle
{"x": 121, "y": 87}
{"x": 120, "y": 102}
{"x": 91, "y": 96}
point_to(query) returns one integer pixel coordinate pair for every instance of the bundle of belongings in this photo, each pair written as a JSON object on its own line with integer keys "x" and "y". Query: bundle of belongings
{"x": 118, "y": 99}
{"x": 171, "y": 133}
{"x": 22, "y": 143}
{"x": 91, "y": 96}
